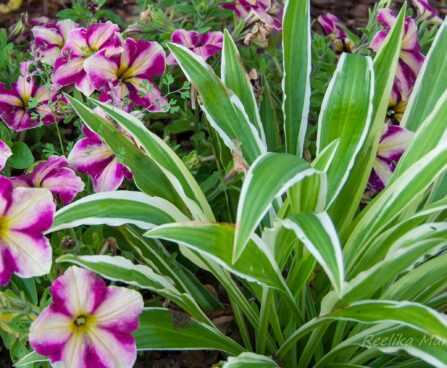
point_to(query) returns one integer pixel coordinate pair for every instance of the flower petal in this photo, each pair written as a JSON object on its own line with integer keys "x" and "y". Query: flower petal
{"x": 101, "y": 70}
{"x": 5, "y": 153}
{"x": 89, "y": 156}
{"x": 7, "y": 265}
{"x": 101, "y": 35}
{"x": 386, "y": 17}
{"x": 110, "y": 178}
{"x": 394, "y": 141}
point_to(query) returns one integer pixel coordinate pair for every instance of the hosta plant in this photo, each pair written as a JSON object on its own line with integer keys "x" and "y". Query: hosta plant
{"x": 316, "y": 274}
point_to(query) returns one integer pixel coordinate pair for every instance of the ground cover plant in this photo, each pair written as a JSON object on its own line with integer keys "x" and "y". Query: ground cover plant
{"x": 230, "y": 177}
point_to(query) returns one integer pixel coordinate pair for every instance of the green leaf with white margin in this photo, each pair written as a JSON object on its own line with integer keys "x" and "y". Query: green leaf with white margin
{"x": 117, "y": 208}
{"x": 215, "y": 241}
{"x": 167, "y": 160}
{"x": 270, "y": 176}
{"x": 317, "y": 232}
{"x": 346, "y": 114}
{"x": 122, "y": 270}
{"x": 430, "y": 133}
{"x": 30, "y": 359}
{"x": 147, "y": 175}
{"x": 246, "y": 360}
{"x": 235, "y": 77}
{"x": 164, "y": 329}
{"x": 297, "y": 56}
{"x": 430, "y": 84}
{"x": 393, "y": 201}
{"x": 222, "y": 107}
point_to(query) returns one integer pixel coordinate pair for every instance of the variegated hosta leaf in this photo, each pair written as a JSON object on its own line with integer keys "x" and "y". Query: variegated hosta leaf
{"x": 317, "y": 232}
{"x": 247, "y": 360}
{"x": 167, "y": 160}
{"x": 346, "y": 115}
{"x": 270, "y": 176}
{"x": 164, "y": 329}
{"x": 236, "y": 79}
{"x": 215, "y": 241}
{"x": 430, "y": 84}
{"x": 222, "y": 107}
{"x": 117, "y": 208}
{"x": 297, "y": 42}
{"x": 393, "y": 201}
{"x": 122, "y": 270}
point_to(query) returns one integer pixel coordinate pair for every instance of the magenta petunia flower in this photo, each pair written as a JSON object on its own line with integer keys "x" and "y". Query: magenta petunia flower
{"x": 204, "y": 45}
{"x": 5, "y": 153}
{"x": 268, "y": 11}
{"x": 130, "y": 72}
{"x": 55, "y": 176}
{"x": 27, "y": 105}
{"x": 91, "y": 156}
{"x": 49, "y": 40}
{"x": 26, "y": 213}
{"x": 393, "y": 143}
{"x": 426, "y": 12}
{"x": 81, "y": 44}
{"x": 88, "y": 324}
{"x": 411, "y": 58}
{"x": 331, "y": 26}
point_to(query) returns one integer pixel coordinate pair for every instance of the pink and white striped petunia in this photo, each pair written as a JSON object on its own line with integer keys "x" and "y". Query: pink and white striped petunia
{"x": 27, "y": 105}
{"x": 88, "y": 324}
{"x": 268, "y": 11}
{"x": 81, "y": 44}
{"x": 204, "y": 45}
{"x": 55, "y": 176}
{"x": 26, "y": 213}
{"x": 393, "y": 143}
{"x": 91, "y": 156}
{"x": 426, "y": 12}
{"x": 130, "y": 72}
{"x": 411, "y": 58}
{"x": 49, "y": 40}
{"x": 331, "y": 26}
{"x": 5, "y": 153}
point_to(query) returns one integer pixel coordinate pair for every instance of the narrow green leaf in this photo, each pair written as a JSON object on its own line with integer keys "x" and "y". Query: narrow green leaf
{"x": 269, "y": 119}
{"x": 234, "y": 76}
{"x": 346, "y": 115}
{"x": 317, "y": 232}
{"x": 167, "y": 160}
{"x": 117, "y": 208}
{"x": 164, "y": 329}
{"x": 30, "y": 359}
{"x": 270, "y": 176}
{"x": 223, "y": 109}
{"x": 297, "y": 43}
{"x": 247, "y": 360}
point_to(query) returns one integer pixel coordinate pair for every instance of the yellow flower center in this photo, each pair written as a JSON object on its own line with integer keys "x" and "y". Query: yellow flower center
{"x": 82, "y": 323}
{"x": 4, "y": 226}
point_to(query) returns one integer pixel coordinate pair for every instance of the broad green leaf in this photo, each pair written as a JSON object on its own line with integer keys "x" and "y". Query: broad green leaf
{"x": 347, "y": 203}
{"x": 346, "y": 115}
{"x": 30, "y": 359}
{"x": 270, "y": 176}
{"x": 164, "y": 329}
{"x": 167, "y": 160}
{"x": 234, "y": 76}
{"x": 147, "y": 175}
{"x": 297, "y": 56}
{"x": 430, "y": 84}
{"x": 223, "y": 109}
{"x": 215, "y": 241}
{"x": 117, "y": 208}
{"x": 429, "y": 134}
{"x": 317, "y": 232}
{"x": 22, "y": 156}
{"x": 122, "y": 270}
{"x": 393, "y": 200}
{"x": 247, "y": 360}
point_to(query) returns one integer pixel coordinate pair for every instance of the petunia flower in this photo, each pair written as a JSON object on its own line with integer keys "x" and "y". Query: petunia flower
{"x": 426, "y": 12}
{"x": 92, "y": 157}
{"x": 410, "y": 58}
{"x": 332, "y": 26}
{"x": 26, "y": 213}
{"x": 397, "y": 105}
{"x": 88, "y": 324}
{"x": 204, "y": 45}
{"x": 55, "y": 176}
{"x": 80, "y": 45}
{"x": 5, "y": 153}
{"x": 130, "y": 72}
{"x": 393, "y": 143}
{"x": 49, "y": 40}
{"x": 267, "y": 11}
{"x": 27, "y": 105}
